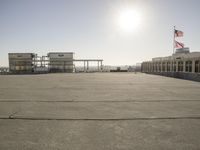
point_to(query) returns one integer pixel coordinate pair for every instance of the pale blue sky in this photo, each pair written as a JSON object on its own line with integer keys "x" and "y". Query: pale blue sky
{"x": 89, "y": 28}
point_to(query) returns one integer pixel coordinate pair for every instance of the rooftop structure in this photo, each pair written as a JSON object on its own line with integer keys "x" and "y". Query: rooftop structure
{"x": 53, "y": 62}
{"x": 61, "y": 61}
{"x": 21, "y": 62}
{"x": 183, "y": 50}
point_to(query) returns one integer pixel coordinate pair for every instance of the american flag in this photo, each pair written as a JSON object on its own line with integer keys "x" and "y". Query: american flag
{"x": 178, "y": 33}
{"x": 178, "y": 45}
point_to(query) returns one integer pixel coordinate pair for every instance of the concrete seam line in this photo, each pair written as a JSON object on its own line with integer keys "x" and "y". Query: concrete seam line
{"x": 133, "y": 101}
{"x": 101, "y": 119}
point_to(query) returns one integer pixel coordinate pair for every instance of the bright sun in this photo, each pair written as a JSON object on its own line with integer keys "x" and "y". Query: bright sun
{"x": 129, "y": 20}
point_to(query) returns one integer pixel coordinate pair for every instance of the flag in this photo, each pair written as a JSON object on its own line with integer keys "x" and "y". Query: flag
{"x": 178, "y": 33}
{"x": 178, "y": 45}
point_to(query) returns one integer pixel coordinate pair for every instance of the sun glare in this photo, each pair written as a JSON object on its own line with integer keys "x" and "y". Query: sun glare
{"x": 129, "y": 20}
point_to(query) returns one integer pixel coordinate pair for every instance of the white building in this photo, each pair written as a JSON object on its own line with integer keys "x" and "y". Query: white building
{"x": 182, "y": 64}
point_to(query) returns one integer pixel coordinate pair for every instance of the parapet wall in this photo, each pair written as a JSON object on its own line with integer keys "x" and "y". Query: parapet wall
{"x": 180, "y": 75}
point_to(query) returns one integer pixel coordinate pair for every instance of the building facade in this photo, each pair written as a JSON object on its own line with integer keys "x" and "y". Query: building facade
{"x": 21, "y": 62}
{"x": 183, "y": 65}
{"x": 61, "y": 61}
{"x": 52, "y": 62}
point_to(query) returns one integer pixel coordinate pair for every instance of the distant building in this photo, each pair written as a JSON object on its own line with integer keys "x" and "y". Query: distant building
{"x": 61, "y": 61}
{"x": 182, "y": 64}
{"x": 21, "y": 62}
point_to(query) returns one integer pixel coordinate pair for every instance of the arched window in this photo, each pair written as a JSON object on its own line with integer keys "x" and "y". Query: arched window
{"x": 153, "y": 65}
{"x": 188, "y": 66}
{"x": 197, "y": 66}
{"x": 168, "y": 66}
{"x": 163, "y": 66}
{"x": 148, "y": 66}
{"x": 159, "y": 67}
{"x": 156, "y": 67}
{"x": 174, "y": 66}
{"x": 180, "y": 66}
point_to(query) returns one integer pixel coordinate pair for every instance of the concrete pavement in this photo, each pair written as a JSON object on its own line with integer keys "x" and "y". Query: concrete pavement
{"x": 95, "y": 111}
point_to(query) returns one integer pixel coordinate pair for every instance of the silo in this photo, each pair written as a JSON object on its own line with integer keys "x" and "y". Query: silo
{"x": 61, "y": 61}
{"x": 21, "y": 62}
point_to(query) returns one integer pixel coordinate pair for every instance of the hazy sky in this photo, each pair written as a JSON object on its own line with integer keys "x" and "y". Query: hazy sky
{"x": 91, "y": 30}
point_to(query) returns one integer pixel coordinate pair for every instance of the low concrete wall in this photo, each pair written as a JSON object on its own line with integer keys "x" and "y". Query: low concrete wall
{"x": 181, "y": 75}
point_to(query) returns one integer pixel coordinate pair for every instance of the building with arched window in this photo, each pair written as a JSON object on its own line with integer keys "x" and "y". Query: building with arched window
{"x": 183, "y": 65}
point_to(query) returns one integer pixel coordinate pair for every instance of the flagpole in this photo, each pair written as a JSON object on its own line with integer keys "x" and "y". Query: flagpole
{"x": 174, "y": 38}
{"x": 173, "y": 49}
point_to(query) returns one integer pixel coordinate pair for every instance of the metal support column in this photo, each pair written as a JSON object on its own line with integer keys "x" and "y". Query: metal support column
{"x": 193, "y": 66}
{"x": 87, "y": 66}
{"x": 98, "y": 65}
{"x": 84, "y": 67}
{"x": 101, "y": 66}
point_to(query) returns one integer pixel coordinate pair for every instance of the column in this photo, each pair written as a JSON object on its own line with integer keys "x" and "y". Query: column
{"x": 101, "y": 66}
{"x": 183, "y": 65}
{"x": 87, "y": 65}
{"x": 161, "y": 68}
{"x": 40, "y": 61}
{"x": 84, "y": 65}
{"x": 193, "y": 66}
{"x": 98, "y": 65}
{"x": 176, "y": 66}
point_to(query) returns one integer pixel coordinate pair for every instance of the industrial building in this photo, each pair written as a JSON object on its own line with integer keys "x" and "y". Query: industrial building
{"x": 23, "y": 63}
{"x": 61, "y": 62}
{"x": 183, "y": 64}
